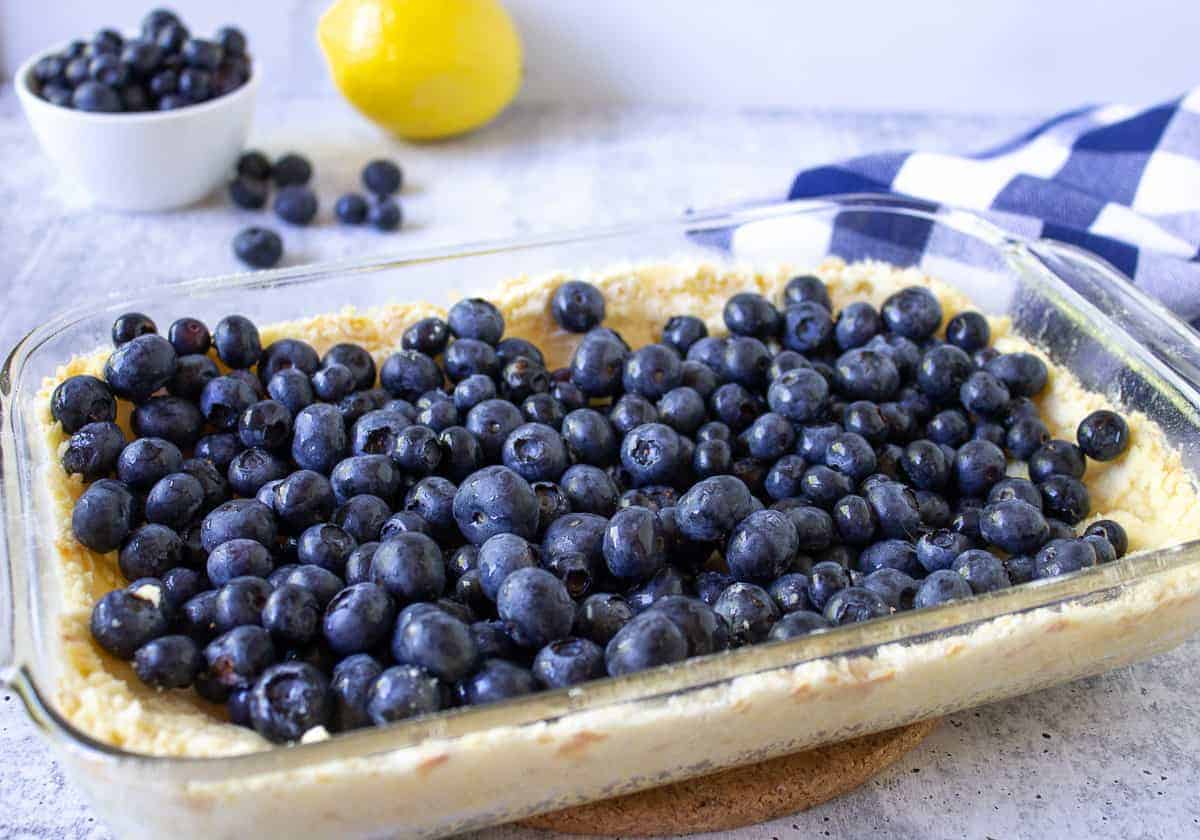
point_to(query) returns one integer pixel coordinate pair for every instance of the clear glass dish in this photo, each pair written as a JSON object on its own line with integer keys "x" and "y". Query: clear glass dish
{"x": 473, "y": 767}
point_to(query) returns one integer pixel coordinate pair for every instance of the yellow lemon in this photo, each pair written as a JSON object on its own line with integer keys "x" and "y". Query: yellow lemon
{"x": 423, "y": 69}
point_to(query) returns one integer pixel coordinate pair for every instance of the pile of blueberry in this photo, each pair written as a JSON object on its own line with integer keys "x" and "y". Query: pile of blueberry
{"x": 296, "y": 202}
{"x": 161, "y": 69}
{"x": 317, "y": 542}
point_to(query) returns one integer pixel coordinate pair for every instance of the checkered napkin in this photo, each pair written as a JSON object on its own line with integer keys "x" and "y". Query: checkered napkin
{"x": 1121, "y": 183}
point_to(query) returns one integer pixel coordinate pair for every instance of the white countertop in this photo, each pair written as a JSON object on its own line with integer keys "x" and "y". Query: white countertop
{"x": 1113, "y": 756}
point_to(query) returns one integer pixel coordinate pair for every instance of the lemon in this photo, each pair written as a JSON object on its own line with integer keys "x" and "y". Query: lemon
{"x": 423, "y": 69}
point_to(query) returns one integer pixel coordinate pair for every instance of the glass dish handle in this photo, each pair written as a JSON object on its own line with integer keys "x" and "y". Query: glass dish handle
{"x": 1170, "y": 339}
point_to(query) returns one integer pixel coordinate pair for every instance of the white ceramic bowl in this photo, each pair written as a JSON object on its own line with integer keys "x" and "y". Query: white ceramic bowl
{"x": 151, "y": 160}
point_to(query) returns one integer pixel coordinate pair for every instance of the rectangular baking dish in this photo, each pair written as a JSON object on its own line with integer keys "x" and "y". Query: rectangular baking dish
{"x": 474, "y": 767}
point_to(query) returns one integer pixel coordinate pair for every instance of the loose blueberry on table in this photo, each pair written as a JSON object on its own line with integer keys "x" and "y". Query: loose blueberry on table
{"x": 162, "y": 68}
{"x": 318, "y": 541}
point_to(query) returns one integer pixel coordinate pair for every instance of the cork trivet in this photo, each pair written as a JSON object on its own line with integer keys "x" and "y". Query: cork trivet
{"x": 742, "y": 795}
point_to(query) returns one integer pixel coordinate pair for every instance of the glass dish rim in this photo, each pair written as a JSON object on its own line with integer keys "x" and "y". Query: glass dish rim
{"x": 690, "y": 675}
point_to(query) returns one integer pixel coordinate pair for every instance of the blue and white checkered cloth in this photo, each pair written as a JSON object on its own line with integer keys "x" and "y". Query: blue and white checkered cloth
{"x": 1119, "y": 182}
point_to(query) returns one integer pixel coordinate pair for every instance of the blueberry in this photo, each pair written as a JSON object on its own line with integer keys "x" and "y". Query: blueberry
{"x": 1020, "y": 568}
{"x": 1015, "y": 488}
{"x": 938, "y": 549}
{"x": 409, "y": 567}
{"x": 236, "y": 658}
{"x": 949, "y": 427}
{"x": 1065, "y": 498}
{"x": 292, "y": 615}
{"x": 682, "y": 331}
{"x": 358, "y": 618}
{"x": 491, "y": 422}
{"x": 969, "y": 331}
{"x": 385, "y": 214}
{"x": 285, "y": 354}
{"x": 601, "y": 616}
{"x": 433, "y": 499}
{"x": 943, "y": 371}
{"x": 598, "y": 364}
{"x": 941, "y": 587}
{"x": 164, "y": 84}
{"x": 984, "y": 394}
{"x": 435, "y": 642}
{"x": 577, "y": 306}
{"x": 807, "y": 326}
{"x": 790, "y": 592}
{"x": 322, "y": 583}
{"x": 805, "y": 288}
{"x": 500, "y": 556}
{"x": 712, "y": 457}
{"x": 303, "y": 499}
{"x": 749, "y": 612}
{"x": 647, "y": 641}
{"x": 982, "y": 570}
{"x": 855, "y": 604}
{"x": 362, "y": 517}
{"x": 855, "y": 520}
{"x": 250, "y": 469}
{"x": 495, "y": 680}
{"x": 169, "y": 36}
{"x": 351, "y": 209}
{"x": 745, "y": 362}
{"x": 545, "y": 409}
{"x": 978, "y": 465}
{"x": 535, "y": 607}
{"x": 168, "y": 662}
{"x": 288, "y": 700}
{"x": 866, "y": 375}
{"x": 1060, "y": 557}
{"x": 80, "y": 400}
{"x": 139, "y": 367}
{"x": 382, "y": 177}
{"x": 711, "y": 508}
{"x": 240, "y": 602}
{"x": 708, "y": 351}
{"x": 296, "y": 205}
{"x": 473, "y": 390}
{"x": 1024, "y": 373}
{"x": 896, "y": 588}
{"x": 468, "y": 356}
{"x": 258, "y": 247}
{"x": 174, "y": 500}
{"x": 1025, "y": 436}
{"x": 349, "y": 689}
{"x": 319, "y": 438}
{"x": 324, "y": 545}
{"x": 856, "y": 324}
{"x": 195, "y": 85}
{"x": 1103, "y": 435}
{"x": 747, "y": 313}
{"x": 703, "y": 629}
{"x": 1111, "y": 531}
{"x": 237, "y": 519}
{"x": 913, "y": 312}
{"x": 476, "y": 318}
{"x": 634, "y": 547}
{"x": 93, "y": 450}
{"x": 333, "y": 382}
{"x": 762, "y": 547}
{"x": 770, "y": 437}
{"x": 248, "y": 193}
{"x": 652, "y": 371}
{"x": 651, "y": 454}
{"x": 376, "y": 432}
{"x": 631, "y": 411}
{"x": 291, "y": 170}
{"x": 461, "y": 453}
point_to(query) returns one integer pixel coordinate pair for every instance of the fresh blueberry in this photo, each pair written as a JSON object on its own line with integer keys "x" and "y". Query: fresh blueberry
{"x": 248, "y": 193}
{"x": 292, "y": 615}
{"x": 969, "y": 331}
{"x": 80, "y": 400}
{"x": 825, "y": 579}
{"x": 150, "y": 552}
{"x": 303, "y": 499}
{"x": 711, "y": 508}
{"x": 385, "y": 214}
{"x": 942, "y": 371}
{"x": 984, "y": 394}
{"x": 598, "y": 365}
{"x": 409, "y": 567}
{"x": 296, "y": 205}
{"x": 500, "y": 556}
{"x": 855, "y": 520}
{"x": 1020, "y": 568}
{"x": 291, "y": 170}
{"x": 863, "y": 374}
{"x": 174, "y": 500}
{"x": 126, "y": 619}
{"x": 435, "y": 642}
{"x": 324, "y": 545}
{"x": 250, "y": 469}
{"x": 428, "y": 335}
{"x": 362, "y": 517}
{"x": 941, "y": 587}
{"x": 168, "y": 662}
{"x": 651, "y": 454}
{"x": 1103, "y": 435}
{"x": 1014, "y": 526}
{"x": 1060, "y": 557}
{"x": 93, "y": 450}
{"x": 978, "y": 465}
{"x": 796, "y": 624}
{"x": 938, "y": 549}
{"x": 236, "y": 658}
{"x": 896, "y": 588}
{"x": 545, "y": 409}
{"x": 631, "y": 411}
{"x": 634, "y": 547}
{"x": 522, "y": 378}
{"x": 285, "y": 354}
{"x": 1111, "y": 531}
{"x": 703, "y": 629}
{"x": 748, "y": 611}
{"x": 713, "y": 457}
{"x": 288, "y": 700}
{"x": 856, "y": 324}
{"x": 1024, "y": 373}
{"x": 492, "y": 422}
{"x": 1065, "y": 498}
{"x": 682, "y": 331}
{"x": 476, "y": 318}
{"x": 745, "y": 361}
{"x": 382, "y": 177}
{"x": 351, "y": 209}
{"x": 982, "y": 570}
{"x": 807, "y": 326}
{"x": 238, "y": 519}
{"x": 358, "y": 618}
{"x": 140, "y": 366}
{"x": 855, "y": 604}
{"x": 790, "y": 592}
{"x": 535, "y": 607}
{"x": 258, "y": 247}
{"x": 240, "y": 602}
{"x": 747, "y": 313}
{"x": 762, "y": 547}
{"x": 577, "y": 306}
{"x": 322, "y": 583}
{"x": 601, "y": 616}
{"x": 376, "y": 432}
{"x": 913, "y": 312}
{"x": 416, "y": 450}
{"x": 708, "y": 351}
{"x": 495, "y": 680}
{"x": 814, "y": 527}
{"x": 319, "y": 438}
{"x": 473, "y": 390}
{"x": 652, "y": 371}
{"x": 433, "y": 499}
{"x": 806, "y": 288}
{"x": 1026, "y": 436}
{"x": 467, "y": 357}
{"x": 349, "y": 689}
{"x": 402, "y": 692}
{"x": 770, "y": 437}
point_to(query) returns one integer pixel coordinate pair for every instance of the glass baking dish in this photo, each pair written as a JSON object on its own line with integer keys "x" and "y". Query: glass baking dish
{"x": 473, "y": 767}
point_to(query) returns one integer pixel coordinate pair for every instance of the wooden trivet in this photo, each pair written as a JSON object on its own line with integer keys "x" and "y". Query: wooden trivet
{"x": 742, "y": 795}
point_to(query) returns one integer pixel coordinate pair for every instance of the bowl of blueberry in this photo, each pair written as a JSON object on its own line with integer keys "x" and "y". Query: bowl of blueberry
{"x": 143, "y": 121}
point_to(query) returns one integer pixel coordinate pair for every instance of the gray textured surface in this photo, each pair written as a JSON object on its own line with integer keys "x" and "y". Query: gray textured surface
{"x": 1113, "y": 756}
